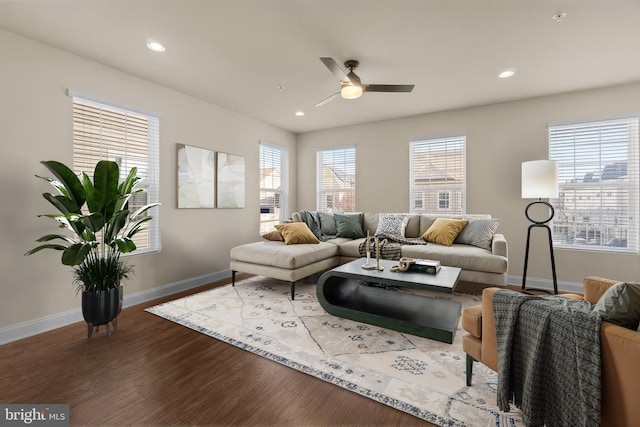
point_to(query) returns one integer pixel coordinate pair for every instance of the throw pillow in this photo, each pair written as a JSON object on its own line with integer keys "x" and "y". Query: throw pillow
{"x": 348, "y": 225}
{"x": 273, "y": 236}
{"x": 391, "y": 224}
{"x": 444, "y": 231}
{"x": 621, "y": 305}
{"x": 327, "y": 223}
{"x": 479, "y": 232}
{"x": 312, "y": 219}
{"x": 296, "y": 232}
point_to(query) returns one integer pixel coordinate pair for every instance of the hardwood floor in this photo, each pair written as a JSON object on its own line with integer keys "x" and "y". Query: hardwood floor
{"x": 155, "y": 372}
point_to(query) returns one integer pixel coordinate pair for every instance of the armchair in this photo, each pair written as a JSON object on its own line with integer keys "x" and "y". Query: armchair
{"x": 620, "y": 349}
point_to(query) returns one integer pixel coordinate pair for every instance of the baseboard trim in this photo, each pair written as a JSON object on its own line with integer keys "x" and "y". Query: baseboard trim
{"x": 58, "y": 320}
{"x": 547, "y": 284}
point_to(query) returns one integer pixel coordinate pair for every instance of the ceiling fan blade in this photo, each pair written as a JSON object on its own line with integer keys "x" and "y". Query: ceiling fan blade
{"x": 388, "y": 88}
{"x": 334, "y": 68}
{"x": 328, "y": 99}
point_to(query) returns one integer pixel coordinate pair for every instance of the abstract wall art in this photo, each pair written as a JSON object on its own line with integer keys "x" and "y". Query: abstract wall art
{"x": 196, "y": 177}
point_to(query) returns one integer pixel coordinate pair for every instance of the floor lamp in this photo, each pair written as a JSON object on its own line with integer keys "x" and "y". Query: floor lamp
{"x": 539, "y": 180}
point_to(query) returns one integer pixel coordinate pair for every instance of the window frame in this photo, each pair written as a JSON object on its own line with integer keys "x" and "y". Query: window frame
{"x": 344, "y": 157}
{"x": 150, "y": 178}
{"x": 266, "y": 225}
{"x": 591, "y": 195}
{"x": 424, "y": 193}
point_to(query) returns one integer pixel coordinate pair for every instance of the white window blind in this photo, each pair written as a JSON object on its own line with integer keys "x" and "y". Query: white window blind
{"x": 107, "y": 132}
{"x": 437, "y": 181}
{"x": 597, "y": 207}
{"x": 336, "y": 180}
{"x": 274, "y": 193}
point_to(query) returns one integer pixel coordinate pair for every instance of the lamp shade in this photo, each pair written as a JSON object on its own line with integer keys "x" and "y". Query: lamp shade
{"x": 539, "y": 179}
{"x": 351, "y": 91}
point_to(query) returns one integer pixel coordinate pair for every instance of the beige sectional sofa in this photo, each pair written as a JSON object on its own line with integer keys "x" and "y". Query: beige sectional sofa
{"x": 291, "y": 263}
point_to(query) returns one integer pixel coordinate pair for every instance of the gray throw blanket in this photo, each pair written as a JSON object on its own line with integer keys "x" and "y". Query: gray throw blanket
{"x": 548, "y": 358}
{"x": 390, "y": 245}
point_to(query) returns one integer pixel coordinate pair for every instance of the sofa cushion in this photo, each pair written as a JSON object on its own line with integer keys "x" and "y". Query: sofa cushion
{"x": 478, "y": 232}
{"x": 296, "y": 232}
{"x": 277, "y": 254}
{"x": 444, "y": 231}
{"x": 621, "y": 305}
{"x": 393, "y": 224}
{"x": 466, "y": 257}
{"x": 348, "y": 225}
{"x": 351, "y": 248}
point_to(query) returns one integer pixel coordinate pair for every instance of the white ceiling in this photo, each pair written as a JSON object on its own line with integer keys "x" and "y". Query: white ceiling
{"x": 237, "y": 54}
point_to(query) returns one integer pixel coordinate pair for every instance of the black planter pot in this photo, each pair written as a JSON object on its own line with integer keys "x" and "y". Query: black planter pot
{"x": 101, "y": 308}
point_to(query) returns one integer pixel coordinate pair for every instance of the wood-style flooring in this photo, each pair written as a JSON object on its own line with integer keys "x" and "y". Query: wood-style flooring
{"x": 155, "y": 372}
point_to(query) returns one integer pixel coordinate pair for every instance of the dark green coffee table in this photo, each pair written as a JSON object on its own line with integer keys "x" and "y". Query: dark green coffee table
{"x": 346, "y": 291}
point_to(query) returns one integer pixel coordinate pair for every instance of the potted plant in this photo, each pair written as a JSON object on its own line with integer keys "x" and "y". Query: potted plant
{"x": 102, "y": 227}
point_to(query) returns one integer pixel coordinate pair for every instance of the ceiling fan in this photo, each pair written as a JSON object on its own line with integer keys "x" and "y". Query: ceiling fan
{"x": 350, "y": 85}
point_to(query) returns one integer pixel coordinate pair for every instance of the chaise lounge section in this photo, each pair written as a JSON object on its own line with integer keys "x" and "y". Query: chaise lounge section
{"x": 484, "y": 260}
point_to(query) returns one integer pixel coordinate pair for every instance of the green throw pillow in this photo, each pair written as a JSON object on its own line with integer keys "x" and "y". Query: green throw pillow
{"x": 348, "y": 225}
{"x": 621, "y": 304}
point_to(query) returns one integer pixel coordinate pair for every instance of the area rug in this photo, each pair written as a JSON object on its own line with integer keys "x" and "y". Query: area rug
{"x": 422, "y": 377}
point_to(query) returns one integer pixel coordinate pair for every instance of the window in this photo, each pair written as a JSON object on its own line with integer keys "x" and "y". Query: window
{"x": 597, "y": 206}
{"x": 336, "y": 174}
{"x": 273, "y": 186}
{"x": 130, "y": 138}
{"x": 438, "y": 175}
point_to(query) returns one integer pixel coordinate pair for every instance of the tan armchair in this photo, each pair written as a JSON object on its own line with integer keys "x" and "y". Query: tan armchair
{"x": 620, "y": 352}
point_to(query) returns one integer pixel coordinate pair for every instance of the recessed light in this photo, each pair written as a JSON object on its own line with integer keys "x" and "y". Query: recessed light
{"x": 299, "y": 113}
{"x": 155, "y": 46}
{"x": 559, "y": 16}
{"x": 509, "y": 72}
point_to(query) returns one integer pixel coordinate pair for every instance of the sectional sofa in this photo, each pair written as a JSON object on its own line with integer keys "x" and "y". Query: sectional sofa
{"x": 481, "y": 253}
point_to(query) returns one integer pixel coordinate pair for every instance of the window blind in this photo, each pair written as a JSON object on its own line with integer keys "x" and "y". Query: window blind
{"x": 336, "y": 180}
{"x": 437, "y": 175}
{"x": 106, "y": 132}
{"x": 597, "y": 206}
{"x": 273, "y": 186}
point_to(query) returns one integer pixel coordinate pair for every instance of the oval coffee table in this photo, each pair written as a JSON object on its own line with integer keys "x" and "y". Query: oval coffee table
{"x": 352, "y": 292}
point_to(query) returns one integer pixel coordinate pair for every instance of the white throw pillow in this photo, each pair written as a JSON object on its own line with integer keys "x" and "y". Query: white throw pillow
{"x": 392, "y": 224}
{"x": 479, "y": 232}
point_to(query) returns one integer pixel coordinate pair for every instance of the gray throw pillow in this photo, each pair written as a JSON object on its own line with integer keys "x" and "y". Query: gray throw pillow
{"x": 391, "y": 224}
{"x": 348, "y": 225}
{"x": 478, "y": 232}
{"x": 327, "y": 223}
{"x": 621, "y": 305}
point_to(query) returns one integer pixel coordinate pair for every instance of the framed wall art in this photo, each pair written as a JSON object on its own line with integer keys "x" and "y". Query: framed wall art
{"x": 230, "y": 180}
{"x": 196, "y": 177}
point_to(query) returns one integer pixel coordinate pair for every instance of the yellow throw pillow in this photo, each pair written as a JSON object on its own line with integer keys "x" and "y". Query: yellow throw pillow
{"x": 444, "y": 231}
{"x": 296, "y": 232}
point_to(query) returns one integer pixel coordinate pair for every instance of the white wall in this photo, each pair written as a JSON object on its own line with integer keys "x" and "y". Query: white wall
{"x": 36, "y": 125}
{"x": 499, "y": 138}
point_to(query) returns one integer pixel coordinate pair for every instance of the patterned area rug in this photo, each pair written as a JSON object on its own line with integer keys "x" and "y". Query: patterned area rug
{"x": 416, "y": 375}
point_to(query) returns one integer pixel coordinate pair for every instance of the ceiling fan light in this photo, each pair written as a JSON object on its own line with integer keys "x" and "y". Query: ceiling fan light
{"x": 350, "y": 91}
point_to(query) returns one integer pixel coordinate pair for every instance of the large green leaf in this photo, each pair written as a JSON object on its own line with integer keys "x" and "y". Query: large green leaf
{"x": 126, "y": 245}
{"x": 94, "y": 222}
{"x": 90, "y": 191}
{"x": 115, "y": 225}
{"x": 136, "y": 227}
{"x": 76, "y": 253}
{"x": 62, "y": 203}
{"x": 105, "y": 183}
{"x": 47, "y": 246}
{"x": 50, "y": 237}
{"x": 143, "y": 209}
{"x": 56, "y": 184}
{"x": 68, "y": 179}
